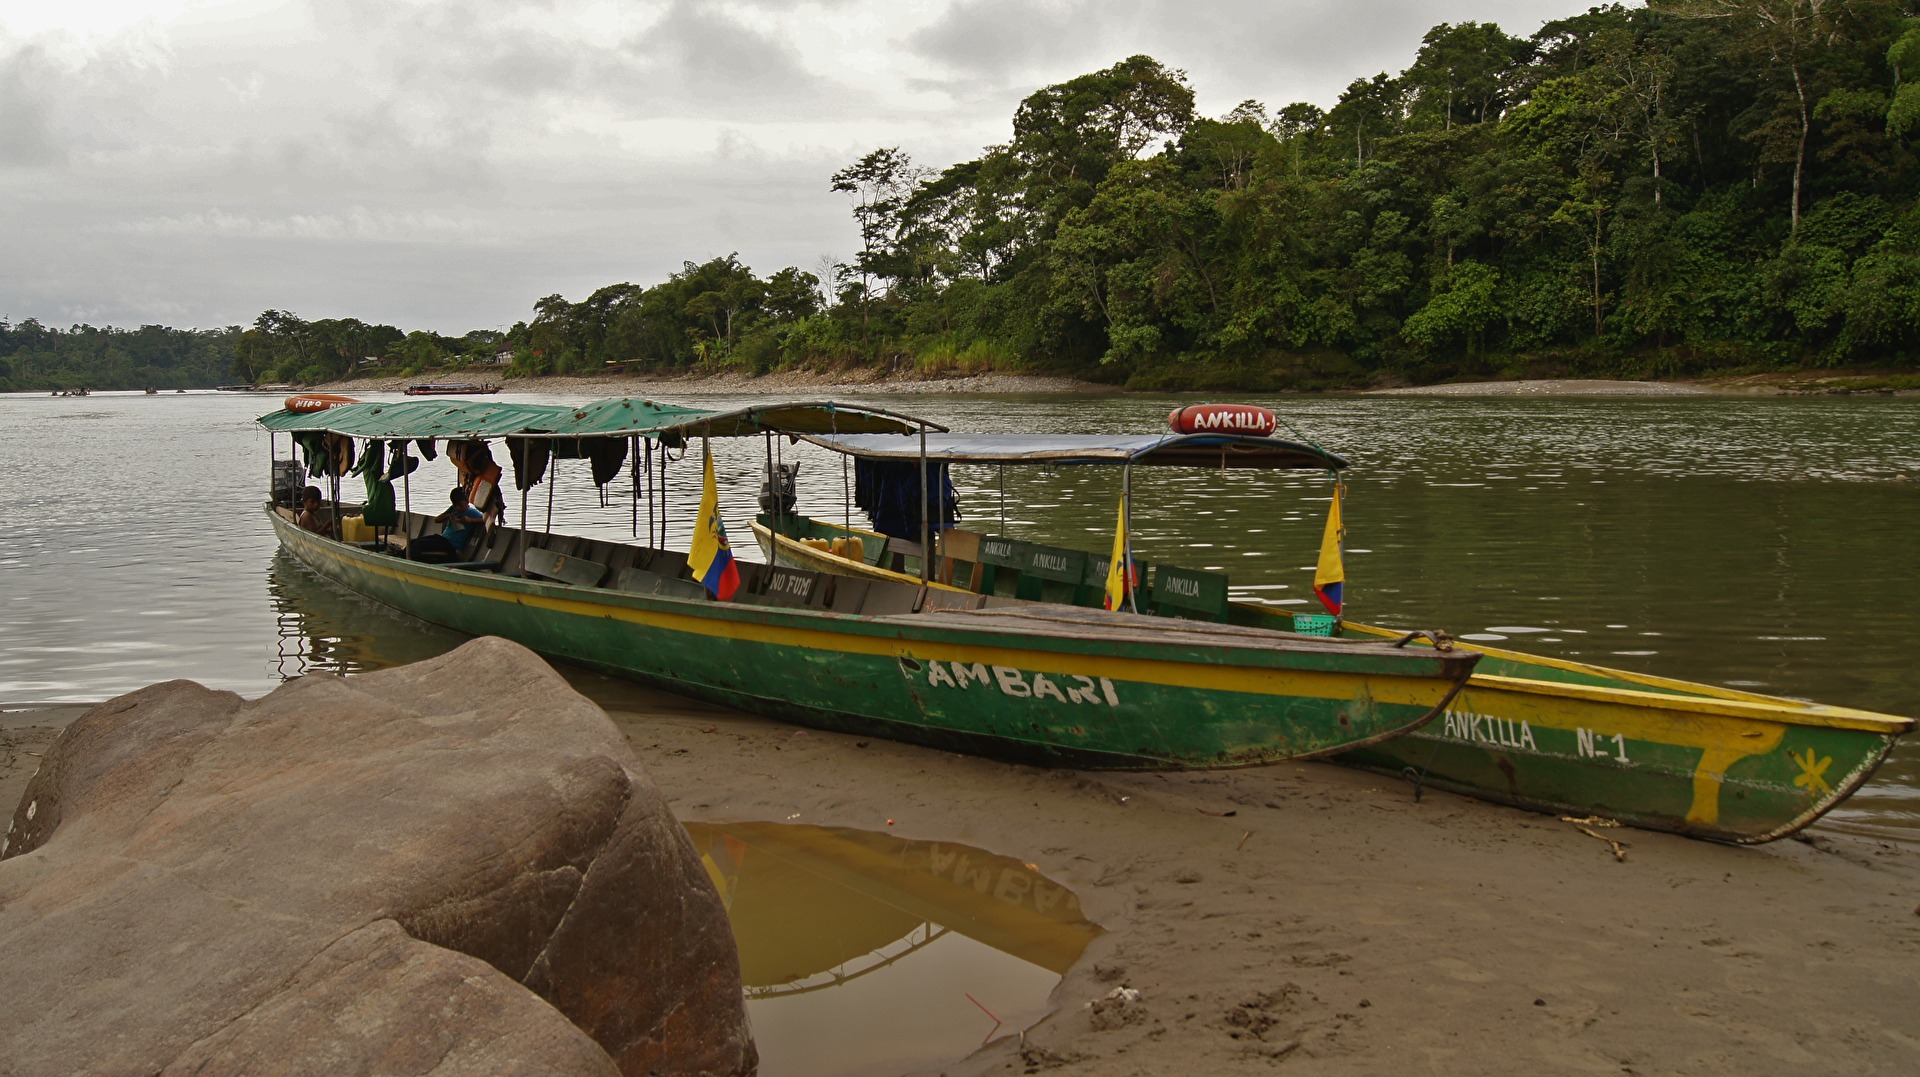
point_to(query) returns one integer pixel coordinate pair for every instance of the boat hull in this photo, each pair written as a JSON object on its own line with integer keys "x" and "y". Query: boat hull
{"x": 1707, "y": 765}
{"x": 1590, "y": 742}
{"x": 1111, "y": 700}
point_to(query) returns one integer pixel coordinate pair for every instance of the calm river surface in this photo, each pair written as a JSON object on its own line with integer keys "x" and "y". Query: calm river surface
{"x": 1767, "y": 543}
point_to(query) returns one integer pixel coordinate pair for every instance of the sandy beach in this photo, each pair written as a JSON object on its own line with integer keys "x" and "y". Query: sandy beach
{"x": 1319, "y": 917}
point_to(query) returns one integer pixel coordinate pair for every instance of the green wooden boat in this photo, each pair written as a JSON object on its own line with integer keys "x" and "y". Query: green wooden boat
{"x": 1539, "y": 733}
{"x": 1049, "y": 684}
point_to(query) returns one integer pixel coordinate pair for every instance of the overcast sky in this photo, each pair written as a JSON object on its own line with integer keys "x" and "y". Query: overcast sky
{"x": 442, "y": 165}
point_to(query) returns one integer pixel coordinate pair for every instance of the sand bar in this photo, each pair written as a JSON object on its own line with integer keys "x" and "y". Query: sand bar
{"x": 1313, "y": 915}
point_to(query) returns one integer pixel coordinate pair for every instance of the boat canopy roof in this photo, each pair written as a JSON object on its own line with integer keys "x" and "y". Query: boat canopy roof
{"x": 613, "y": 417}
{"x": 1183, "y": 450}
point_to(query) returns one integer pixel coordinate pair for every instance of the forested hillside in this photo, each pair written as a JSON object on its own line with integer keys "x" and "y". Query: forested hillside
{"x": 1691, "y": 186}
{"x": 33, "y": 356}
{"x": 1633, "y": 191}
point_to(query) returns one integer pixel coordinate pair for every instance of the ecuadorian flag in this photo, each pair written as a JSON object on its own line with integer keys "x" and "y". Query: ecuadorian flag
{"x": 1331, "y": 575}
{"x": 710, "y": 557}
{"x": 1120, "y": 574}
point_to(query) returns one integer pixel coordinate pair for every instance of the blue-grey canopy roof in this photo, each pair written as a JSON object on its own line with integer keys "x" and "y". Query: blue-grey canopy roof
{"x": 613, "y": 417}
{"x": 1183, "y": 450}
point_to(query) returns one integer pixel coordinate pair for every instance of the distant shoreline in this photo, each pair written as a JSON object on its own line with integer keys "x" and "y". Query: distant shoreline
{"x": 799, "y": 382}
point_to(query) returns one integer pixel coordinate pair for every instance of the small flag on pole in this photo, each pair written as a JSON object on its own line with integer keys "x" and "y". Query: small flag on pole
{"x": 710, "y": 557}
{"x": 1120, "y": 579}
{"x": 1330, "y": 575}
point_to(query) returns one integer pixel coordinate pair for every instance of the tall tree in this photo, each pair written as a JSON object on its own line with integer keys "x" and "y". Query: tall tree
{"x": 1789, "y": 34}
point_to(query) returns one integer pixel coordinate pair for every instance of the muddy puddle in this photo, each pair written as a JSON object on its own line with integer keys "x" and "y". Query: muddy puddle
{"x": 864, "y": 953}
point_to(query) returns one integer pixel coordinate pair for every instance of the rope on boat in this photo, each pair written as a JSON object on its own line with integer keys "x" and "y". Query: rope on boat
{"x": 1440, "y": 640}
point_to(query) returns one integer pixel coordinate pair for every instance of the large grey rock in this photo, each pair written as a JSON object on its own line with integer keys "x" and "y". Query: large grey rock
{"x": 451, "y": 867}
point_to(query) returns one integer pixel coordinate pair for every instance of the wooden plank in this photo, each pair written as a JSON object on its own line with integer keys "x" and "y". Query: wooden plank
{"x": 1190, "y": 593}
{"x": 845, "y": 594}
{"x": 960, "y": 545}
{"x": 793, "y": 587}
{"x": 577, "y": 571}
{"x": 1096, "y": 576}
{"x": 937, "y": 599}
{"x": 999, "y": 552}
{"x": 669, "y": 563}
{"x": 640, "y": 581}
{"x": 1054, "y": 563}
{"x": 886, "y": 597}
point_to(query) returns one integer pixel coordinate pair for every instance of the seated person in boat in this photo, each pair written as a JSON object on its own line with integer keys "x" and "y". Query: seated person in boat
{"x": 457, "y": 527}
{"x": 314, "y": 514}
{"x": 479, "y": 476}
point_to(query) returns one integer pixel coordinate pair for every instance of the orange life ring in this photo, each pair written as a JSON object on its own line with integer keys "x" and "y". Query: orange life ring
{"x": 311, "y": 402}
{"x": 1223, "y": 419}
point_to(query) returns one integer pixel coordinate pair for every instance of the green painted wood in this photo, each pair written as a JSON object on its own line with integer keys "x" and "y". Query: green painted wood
{"x": 1093, "y": 585}
{"x": 1190, "y": 593}
{"x": 1044, "y": 698}
{"x": 577, "y": 571}
{"x": 641, "y": 581}
{"x": 1671, "y": 767}
{"x": 1641, "y": 783}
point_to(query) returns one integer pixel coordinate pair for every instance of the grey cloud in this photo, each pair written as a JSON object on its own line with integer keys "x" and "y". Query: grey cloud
{"x": 441, "y": 166}
{"x": 26, "y": 117}
{"x": 1236, "y": 49}
{"x": 998, "y": 37}
{"x": 697, "y": 55}
{"x": 694, "y": 61}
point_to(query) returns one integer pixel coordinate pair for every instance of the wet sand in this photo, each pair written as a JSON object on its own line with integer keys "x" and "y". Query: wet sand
{"x": 1319, "y": 917}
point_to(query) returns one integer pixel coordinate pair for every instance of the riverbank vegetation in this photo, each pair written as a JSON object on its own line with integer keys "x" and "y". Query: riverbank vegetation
{"x": 37, "y": 357}
{"x": 1692, "y": 187}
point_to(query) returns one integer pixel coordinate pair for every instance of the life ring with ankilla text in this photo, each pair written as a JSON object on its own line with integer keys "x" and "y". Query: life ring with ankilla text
{"x": 1223, "y": 419}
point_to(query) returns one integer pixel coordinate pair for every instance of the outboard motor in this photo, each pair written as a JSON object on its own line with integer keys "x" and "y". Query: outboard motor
{"x": 777, "y": 497}
{"x": 289, "y": 479}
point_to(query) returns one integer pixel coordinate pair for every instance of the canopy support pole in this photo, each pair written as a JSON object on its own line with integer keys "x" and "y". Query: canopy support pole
{"x": 773, "y": 499}
{"x": 553, "y": 480}
{"x": 926, "y": 543}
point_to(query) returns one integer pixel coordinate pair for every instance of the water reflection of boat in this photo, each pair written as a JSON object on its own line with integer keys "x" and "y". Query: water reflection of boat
{"x": 324, "y": 629}
{"x": 1539, "y": 733}
{"x": 1049, "y": 684}
{"x": 816, "y": 907}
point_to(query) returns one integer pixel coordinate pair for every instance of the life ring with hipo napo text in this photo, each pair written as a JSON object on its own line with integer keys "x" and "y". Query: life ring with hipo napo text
{"x": 310, "y": 402}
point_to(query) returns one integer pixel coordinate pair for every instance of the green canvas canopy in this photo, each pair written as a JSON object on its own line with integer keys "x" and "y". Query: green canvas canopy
{"x": 613, "y": 417}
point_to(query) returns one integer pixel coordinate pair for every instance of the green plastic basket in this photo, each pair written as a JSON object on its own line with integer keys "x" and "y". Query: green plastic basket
{"x": 1314, "y": 624}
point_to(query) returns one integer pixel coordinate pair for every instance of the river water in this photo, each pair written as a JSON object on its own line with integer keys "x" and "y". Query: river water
{"x": 1765, "y": 543}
